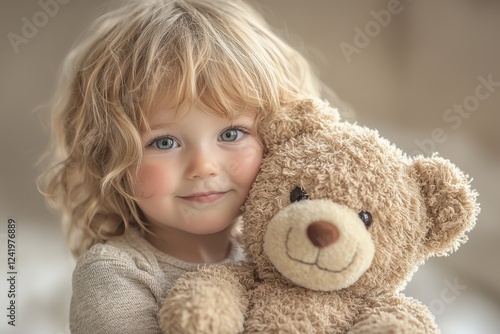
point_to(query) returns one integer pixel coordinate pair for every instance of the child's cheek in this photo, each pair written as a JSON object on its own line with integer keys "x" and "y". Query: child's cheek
{"x": 245, "y": 166}
{"x": 153, "y": 178}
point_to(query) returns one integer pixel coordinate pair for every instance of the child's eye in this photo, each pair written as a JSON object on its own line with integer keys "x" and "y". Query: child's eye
{"x": 231, "y": 134}
{"x": 164, "y": 143}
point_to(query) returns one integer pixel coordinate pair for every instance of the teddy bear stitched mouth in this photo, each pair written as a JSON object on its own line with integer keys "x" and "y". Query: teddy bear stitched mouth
{"x": 315, "y": 263}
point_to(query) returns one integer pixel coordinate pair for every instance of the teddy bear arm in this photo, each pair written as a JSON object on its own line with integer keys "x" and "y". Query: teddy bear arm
{"x": 398, "y": 315}
{"x": 210, "y": 300}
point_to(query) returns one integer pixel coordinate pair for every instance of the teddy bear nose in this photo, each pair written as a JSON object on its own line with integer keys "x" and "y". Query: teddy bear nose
{"x": 322, "y": 233}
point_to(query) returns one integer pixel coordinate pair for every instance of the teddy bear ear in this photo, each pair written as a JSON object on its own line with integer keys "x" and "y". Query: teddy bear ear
{"x": 305, "y": 116}
{"x": 450, "y": 202}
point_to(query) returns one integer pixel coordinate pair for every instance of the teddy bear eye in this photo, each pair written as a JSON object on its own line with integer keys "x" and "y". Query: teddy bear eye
{"x": 298, "y": 194}
{"x": 366, "y": 217}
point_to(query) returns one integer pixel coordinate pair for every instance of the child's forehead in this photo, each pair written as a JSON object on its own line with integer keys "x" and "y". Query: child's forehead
{"x": 167, "y": 112}
{"x": 177, "y": 104}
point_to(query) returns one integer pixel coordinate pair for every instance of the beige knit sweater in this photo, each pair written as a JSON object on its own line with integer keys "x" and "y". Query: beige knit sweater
{"x": 118, "y": 286}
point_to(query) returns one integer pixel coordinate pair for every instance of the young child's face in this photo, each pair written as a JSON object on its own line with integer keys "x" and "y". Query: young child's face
{"x": 197, "y": 170}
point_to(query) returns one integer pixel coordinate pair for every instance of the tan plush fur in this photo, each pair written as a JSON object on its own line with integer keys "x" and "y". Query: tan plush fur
{"x": 314, "y": 266}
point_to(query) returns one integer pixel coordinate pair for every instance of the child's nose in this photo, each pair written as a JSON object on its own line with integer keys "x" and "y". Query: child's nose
{"x": 203, "y": 163}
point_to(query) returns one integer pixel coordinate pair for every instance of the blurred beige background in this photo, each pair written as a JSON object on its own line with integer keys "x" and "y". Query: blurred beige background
{"x": 416, "y": 70}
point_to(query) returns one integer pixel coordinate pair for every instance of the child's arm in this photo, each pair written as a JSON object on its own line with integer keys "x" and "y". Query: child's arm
{"x": 112, "y": 295}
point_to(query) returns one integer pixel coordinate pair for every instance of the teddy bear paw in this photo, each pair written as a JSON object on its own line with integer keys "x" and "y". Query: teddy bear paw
{"x": 202, "y": 308}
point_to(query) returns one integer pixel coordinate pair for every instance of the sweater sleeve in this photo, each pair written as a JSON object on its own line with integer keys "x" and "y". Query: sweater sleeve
{"x": 112, "y": 294}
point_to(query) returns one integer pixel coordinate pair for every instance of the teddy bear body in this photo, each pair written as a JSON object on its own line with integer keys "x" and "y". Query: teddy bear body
{"x": 273, "y": 308}
{"x": 291, "y": 310}
{"x": 287, "y": 309}
{"x": 336, "y": 223}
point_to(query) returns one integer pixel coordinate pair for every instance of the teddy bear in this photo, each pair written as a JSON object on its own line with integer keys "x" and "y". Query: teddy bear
{"x": 337, "y": 221}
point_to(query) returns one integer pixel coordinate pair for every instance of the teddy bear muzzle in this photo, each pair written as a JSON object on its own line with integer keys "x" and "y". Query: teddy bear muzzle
{"x": 319, "y": 244}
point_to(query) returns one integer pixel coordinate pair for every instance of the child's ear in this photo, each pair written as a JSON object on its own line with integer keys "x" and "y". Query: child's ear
{"x": 307, "y": 116}
{"x": 450, "y": 202}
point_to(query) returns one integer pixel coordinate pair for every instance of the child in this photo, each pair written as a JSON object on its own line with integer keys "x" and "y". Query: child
{"x": 156, "y": 129}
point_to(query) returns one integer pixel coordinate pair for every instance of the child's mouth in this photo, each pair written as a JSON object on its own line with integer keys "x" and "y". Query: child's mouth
{"x": 204, "y": 197}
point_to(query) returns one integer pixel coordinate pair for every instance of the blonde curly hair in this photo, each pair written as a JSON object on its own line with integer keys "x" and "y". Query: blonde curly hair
{"x": 218, "y": 54}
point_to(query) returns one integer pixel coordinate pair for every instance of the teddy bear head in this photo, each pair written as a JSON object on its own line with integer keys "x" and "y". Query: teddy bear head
{"x": 335, "y": 206}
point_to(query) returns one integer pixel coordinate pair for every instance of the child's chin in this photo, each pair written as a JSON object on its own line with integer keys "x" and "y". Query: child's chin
{"x": 204, "y": 227}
